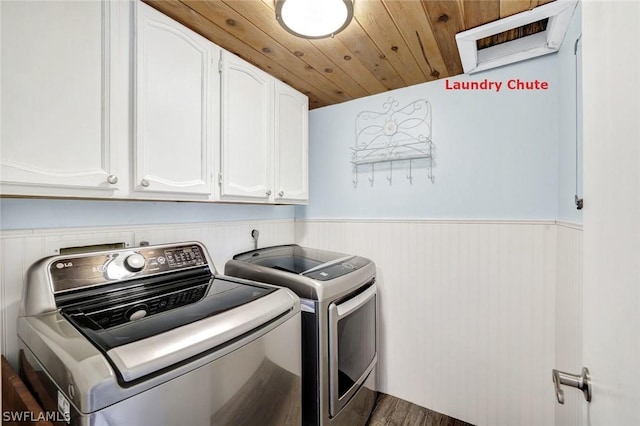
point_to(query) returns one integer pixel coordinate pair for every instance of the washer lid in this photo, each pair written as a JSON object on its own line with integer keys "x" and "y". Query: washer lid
{"x": 144, "y": 357}
{"x": 317, "y": 264}
{"x": 143, "y": 335}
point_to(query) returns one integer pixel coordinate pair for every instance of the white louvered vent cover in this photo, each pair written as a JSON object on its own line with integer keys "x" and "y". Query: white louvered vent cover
{"x": 541, "y": 43}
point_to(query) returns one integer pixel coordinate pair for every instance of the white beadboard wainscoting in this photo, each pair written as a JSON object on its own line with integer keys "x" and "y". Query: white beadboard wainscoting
{"x": 21, "y": 248}
{"x": 569, "y": 320}
{"x": 473, "y": 314}
{"x": 467, "y": 311}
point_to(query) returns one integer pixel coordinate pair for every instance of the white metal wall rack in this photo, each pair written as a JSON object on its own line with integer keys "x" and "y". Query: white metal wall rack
{"x": 397, "y": 134}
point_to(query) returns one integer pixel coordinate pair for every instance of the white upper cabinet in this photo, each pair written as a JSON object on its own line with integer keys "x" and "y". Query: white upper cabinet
{"x": 291, "y": 145}
{"x": 59, "y": 112}
{"x": 246, "y": 172}
{"x": 176, "y": 94}
{"x": 113, "y": 99}
{"x": 264, "y": 137}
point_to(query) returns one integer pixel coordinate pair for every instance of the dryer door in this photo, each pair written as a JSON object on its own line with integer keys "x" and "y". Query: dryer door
{"x": 352, "y": 346}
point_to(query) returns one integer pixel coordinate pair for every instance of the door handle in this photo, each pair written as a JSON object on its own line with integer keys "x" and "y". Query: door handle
{"x": 582, "y": 382}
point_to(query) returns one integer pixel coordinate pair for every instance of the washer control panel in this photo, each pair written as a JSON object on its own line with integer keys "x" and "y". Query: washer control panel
{"x": 77, "y": 271}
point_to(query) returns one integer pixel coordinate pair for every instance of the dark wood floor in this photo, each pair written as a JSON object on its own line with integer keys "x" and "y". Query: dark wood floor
{"x": 393, "y": 411}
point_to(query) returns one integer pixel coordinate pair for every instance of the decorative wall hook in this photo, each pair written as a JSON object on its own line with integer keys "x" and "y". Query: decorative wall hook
{"x": 372, "y": 174}
{"x": 355, "y": 177}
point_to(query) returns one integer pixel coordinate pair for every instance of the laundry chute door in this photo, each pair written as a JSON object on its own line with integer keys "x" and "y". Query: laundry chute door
{"x": 611, "y": 293}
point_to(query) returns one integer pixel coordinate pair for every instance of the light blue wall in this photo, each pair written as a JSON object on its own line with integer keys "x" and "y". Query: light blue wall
{"x": 505, "y": 155}
{"x": 496, "y": 154}
{"x": 49, "y": 213}
{"x": 567, "y": 124}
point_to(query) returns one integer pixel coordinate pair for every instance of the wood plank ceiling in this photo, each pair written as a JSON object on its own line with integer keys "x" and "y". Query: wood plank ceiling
{"x": 389, "y": 44}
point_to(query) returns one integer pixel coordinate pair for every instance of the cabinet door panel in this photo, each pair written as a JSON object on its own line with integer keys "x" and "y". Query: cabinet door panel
{"x": 56, "y": 95}
{"x": 291, "y": 147}
{"x": 247, "y": 132}
{"x": 172, "y": 95}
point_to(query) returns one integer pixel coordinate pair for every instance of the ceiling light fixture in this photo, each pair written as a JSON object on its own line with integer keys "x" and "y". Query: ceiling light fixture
{"x": 314, "y": 18}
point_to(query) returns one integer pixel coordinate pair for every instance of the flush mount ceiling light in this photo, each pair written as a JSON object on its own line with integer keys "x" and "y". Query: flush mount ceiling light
{"x": 314, "y": 18}
{"x": 518, "y": 37}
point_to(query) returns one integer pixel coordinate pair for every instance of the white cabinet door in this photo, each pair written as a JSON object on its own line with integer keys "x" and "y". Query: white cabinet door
{"x": 246, "y": 168}
{"x": 57, "y": 132}
{"x": 173, "y": 89}
{"x": 291, "y": 145}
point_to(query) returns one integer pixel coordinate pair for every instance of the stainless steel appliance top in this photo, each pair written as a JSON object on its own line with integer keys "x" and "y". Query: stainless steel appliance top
{"x": 118, "y": 322}
{"x": 311, "y": 273}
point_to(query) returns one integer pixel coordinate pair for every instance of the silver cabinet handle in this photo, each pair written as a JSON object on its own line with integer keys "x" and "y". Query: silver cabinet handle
{"x": 144, "y": 183}
{"x": 582, "y": 382}
{"x": 268, "y": 193}
{"x": 112, "y": 179}
{"x": 281, "y": 194}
